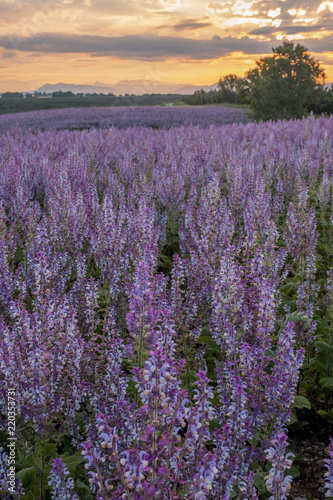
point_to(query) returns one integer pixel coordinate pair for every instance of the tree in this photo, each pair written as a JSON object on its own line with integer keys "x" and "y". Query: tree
{"x": 12, "y": 95}
{"x": 228, "y": 88}
{"x": 323, "y": 102}
{"x": 60, "y": 93}
{"x": 199, "y": 97}
{"x": 243, "y": 91}
{"x": 285, "y": 84}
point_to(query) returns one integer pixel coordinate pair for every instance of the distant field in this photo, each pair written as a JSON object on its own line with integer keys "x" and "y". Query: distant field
{"x": 20, "y": 105}
{"x": 148, "y": 116}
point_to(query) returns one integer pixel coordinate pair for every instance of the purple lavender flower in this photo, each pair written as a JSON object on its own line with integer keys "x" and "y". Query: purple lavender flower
{"x": 61, "y": 483}
{"x": 276, "y": 482}
{"x": 10, "y": 485}
{"x": 41, "y": 358}
{"x": 329, "y": 473}
{"x": 147, "y": 301}
{"x": 247, "y": 488}
{"x": 168, "y": 452}
{"x": 301, "y": 234}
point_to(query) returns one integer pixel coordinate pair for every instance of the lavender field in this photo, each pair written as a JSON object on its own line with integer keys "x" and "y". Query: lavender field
{"x": 155, "y": 117}
{"x": 166, "y": 303}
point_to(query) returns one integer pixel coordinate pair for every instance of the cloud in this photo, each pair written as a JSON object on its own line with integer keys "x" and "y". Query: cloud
{"x": 12, "y": 12}
{"x": 291, "y": 29}
{"x": 191, "y": 25}
{"x": 188, "y": 24}
{"x": 8, "y": 55}
{"x": 228, "y": 9}
{"x": 139, "y": 47}
{"x": 159, "y": 48}
{"x": 114, "y": 8}
{"x": 324, "y": 44}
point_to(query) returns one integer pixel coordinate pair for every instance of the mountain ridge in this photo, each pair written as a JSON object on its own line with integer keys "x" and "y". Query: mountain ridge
{"x": 137, "y": 87}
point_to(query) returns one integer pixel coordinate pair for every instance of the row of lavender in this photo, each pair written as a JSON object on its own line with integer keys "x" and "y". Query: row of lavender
{"x": 145, "y": 328}
{"x": 156, "y": 117}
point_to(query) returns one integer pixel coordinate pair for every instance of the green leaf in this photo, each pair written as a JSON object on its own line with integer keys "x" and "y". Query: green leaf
{"x": 29, "y": 477}
{"x": 288, "y": 287}
{"x": 320, "y": 362}
{"x": 85, "y": 493}
{"x": 322, "y": 327}
{"x": 323, "y": 345}
{"x": 18, "y": 255}
{"x": 205, "y": 331}
{"x": 209, "y": 341}
{"x": 50, "y": 448}
{"x": 239, "y": 335}
{"x": 301, "y": 402}
{"x": 66, "y": 447}
{"x": 214, "y": 424}
{"x": 326, "y": 382}
{"x": 259, "y": 482}
{"x": 293, "y": 472}
{"x": 73, "y": 462}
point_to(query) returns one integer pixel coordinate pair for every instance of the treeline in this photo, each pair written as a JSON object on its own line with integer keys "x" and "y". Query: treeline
{"x": 288, "y": 84}
{"x": 15, "y": 102}
{"x": 230, "y": 89}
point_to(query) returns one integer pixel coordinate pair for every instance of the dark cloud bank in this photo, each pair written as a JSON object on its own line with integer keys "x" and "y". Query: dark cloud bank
{"x": 147, "y": 47}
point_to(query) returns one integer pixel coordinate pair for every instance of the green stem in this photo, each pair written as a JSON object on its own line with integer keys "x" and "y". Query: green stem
{"x": 42, "y": 480}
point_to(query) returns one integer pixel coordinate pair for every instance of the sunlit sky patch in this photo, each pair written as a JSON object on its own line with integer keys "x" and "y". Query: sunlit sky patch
{"x": 175, "y": 41}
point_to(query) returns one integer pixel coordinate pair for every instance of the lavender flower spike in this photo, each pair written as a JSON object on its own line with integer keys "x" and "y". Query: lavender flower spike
{"x": 62, "y": 484}
{"x": 247, "y": 489}
{"x": 276, "y": 483}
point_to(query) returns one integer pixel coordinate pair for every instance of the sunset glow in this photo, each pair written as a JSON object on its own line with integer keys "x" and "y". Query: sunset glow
{"x": 174, "y": 41}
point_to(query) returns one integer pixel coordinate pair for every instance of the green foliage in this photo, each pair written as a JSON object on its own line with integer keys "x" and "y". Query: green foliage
{"x": 10, "y": 103}
{"x": 284, "y": 84}
{"x": 228, "y": 88}
{"x": 231, "y": 89}
{"x": 326, "y": 382}
{"x": 323, "y": 101}
{"x": 34, "y": 466}
{"x": 12, "y": 95}
{"x": 170, "y": 248}
{"x": 301, "y": 402}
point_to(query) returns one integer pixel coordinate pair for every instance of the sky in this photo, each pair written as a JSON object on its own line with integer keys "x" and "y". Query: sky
{"x": 176, "y": 41}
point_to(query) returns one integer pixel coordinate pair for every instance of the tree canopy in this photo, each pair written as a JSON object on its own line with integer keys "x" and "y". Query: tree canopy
{"x": 284, "y": 85}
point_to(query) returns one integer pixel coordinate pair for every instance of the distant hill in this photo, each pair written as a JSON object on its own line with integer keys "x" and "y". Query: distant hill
{"x": 190, "y": 89}
{"x": 137, "y": 87}
{"x": 76, "y": 89}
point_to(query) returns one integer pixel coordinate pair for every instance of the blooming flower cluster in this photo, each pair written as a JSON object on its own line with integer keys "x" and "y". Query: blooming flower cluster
{"x": 62, "y": 485}
{"x": 276, "y": 482}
